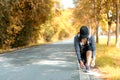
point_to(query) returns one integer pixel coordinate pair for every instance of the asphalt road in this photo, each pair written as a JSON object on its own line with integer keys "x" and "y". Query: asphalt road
{"x": 45, "y": 62}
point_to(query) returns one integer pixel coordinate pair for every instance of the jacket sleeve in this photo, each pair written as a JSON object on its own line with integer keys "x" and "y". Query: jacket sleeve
{"x": 77, "y": 48}
{"x": 93, "y": 44}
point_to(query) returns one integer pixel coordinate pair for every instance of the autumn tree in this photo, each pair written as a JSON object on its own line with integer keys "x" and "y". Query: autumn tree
{"x": 109, "y": 11}
{"x": 20, "y": 20}
{"x": 83, "y": 13}
{"x": 101, "y": 11}
{"x": 88, "y": 12}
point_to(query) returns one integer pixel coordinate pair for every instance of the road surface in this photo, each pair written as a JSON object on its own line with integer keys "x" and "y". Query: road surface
{"x": 55, "y": 61}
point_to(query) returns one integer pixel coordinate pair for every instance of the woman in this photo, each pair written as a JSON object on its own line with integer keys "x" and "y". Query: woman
{"x": 85, "y": 48}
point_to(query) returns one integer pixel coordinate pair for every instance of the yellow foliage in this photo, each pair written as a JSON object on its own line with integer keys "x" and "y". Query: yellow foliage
{"x": 58, "y": 27}
{"x": 13, "y": 29}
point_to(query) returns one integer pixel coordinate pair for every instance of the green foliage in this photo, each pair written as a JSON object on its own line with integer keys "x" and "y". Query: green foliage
{"x": 48, "y": 31}
{"x": 63, "y": 34}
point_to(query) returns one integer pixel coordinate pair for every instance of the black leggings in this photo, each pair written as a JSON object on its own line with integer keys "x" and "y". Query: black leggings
{"x": 84, "y": 51}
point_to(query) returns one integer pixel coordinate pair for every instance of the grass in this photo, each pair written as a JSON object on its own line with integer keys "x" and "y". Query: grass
{"x": 108, "y": 59}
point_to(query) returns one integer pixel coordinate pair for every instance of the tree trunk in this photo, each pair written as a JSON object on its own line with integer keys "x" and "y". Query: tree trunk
{"x": 89, "y": 26}
{"x": 96, "y": 21}
{"x": 117, "y": 24}
{"x": 109, "y": 28}
{"x": 97, "y": 32}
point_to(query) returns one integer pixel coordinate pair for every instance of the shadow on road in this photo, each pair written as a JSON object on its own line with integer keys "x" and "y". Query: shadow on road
{"x": 44, "y": 54}
{"x": 51, "y": 61}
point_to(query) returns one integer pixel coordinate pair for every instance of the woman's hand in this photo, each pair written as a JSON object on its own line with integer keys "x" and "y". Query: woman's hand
{"x": 82, "y": 64}
{"x": 92, "y": 63}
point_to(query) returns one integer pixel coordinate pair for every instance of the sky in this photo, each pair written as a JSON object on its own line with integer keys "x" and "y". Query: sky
{"x": 67, "y": 3}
